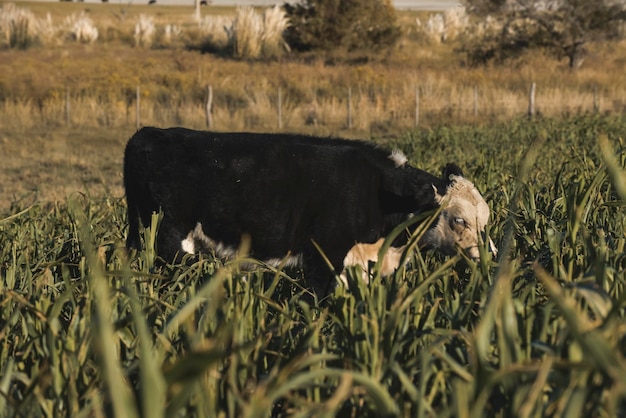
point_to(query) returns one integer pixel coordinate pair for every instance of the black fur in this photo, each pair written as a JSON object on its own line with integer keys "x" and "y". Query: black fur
{"x": 284, "y": 191}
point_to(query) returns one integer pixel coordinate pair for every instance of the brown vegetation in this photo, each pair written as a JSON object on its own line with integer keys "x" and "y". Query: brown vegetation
{"x": 101, "y": 78}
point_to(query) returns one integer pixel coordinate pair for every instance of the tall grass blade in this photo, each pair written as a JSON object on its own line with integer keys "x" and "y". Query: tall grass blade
{"x": 153, "y": 387}
{"x": 616, "y": 171}
{"x": 597, "y": 349}
{"x": 105, "y": 338}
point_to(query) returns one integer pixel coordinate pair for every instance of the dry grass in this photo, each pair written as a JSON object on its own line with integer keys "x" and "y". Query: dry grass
{"x": 173, "y": 82}
{"x": 49, "y": 165}
{"x": 101, "y": 79}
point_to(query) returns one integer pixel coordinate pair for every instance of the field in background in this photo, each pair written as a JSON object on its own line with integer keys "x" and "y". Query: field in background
{"x": 66, "y": 107}
{"x": 98, "y": 81}
{"x": 42, "y": 164}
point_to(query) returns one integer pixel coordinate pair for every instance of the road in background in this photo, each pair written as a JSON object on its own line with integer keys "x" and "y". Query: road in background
{"x": 426, "y": 4}
{"x": 434, "y": 5}
{"x": 400, "y": 4}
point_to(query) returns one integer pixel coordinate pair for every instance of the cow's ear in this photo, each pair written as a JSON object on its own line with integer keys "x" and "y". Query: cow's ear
{"x": 451, "y": 169}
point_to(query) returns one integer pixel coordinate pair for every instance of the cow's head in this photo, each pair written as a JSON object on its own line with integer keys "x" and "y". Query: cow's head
{"x": 464, "y": 215}
{"x": 460, "y": 224}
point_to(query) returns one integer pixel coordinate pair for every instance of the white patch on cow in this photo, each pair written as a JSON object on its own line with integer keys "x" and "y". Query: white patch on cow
{"x": 197, "y": 241}
{"x": 398, "y": 158}
{"x": 289, "y": 261}
{"x": 187, "y": 244}
{"x": 224, "y": 251}
{"x": 362, "y": 254}
{"x": 463, "y": 218}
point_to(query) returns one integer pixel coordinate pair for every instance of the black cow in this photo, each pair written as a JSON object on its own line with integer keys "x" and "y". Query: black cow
{"x": 288, "y": 193}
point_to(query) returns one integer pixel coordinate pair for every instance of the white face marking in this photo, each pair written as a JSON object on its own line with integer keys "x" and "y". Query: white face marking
{"x": 362, "y": 254}
{"x": 398, "y": 158}
{"x": 463, "y": 217}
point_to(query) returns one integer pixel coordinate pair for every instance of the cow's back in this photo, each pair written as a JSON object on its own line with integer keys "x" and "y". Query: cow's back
{"x": 281, "y": 189}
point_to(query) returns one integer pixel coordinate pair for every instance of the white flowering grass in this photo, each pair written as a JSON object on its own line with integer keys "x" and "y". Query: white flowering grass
{"x": 217, "y": 30}
{"x": 18, "y": 27}
{"x": 145, "y": 31}
{"x": 275, "y": 22}
{"x": 80, "y": 28}
{"x": 247, "y": 33}
{"x": 446, "y": 26}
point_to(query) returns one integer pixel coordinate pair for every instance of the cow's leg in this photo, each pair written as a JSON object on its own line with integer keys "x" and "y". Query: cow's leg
{"x": 169, "y": 241}
{"x": 133, "y": 239}
{"x": 318, "y": 275}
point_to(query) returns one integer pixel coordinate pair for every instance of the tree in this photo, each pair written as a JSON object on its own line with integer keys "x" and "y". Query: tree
{"x": 565, "y": 27}
{"x": 348, "y": 24}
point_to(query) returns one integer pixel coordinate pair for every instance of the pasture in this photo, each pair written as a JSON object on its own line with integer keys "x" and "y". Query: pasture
{"x": 87, "y": 330}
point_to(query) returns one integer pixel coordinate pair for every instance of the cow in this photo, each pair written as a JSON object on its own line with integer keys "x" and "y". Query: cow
{"x": 301, "y": 200}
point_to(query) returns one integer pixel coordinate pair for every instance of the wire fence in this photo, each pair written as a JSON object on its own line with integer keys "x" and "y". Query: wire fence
{"x": 263, "y": 109}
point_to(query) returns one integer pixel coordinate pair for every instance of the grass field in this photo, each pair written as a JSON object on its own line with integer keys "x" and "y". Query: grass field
{"x": 87, "y": 330}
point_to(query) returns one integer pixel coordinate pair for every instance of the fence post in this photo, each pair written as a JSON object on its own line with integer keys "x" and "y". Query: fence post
{"x": 137, "y": 108}
{"x": 279, "y": 105}
{"x": 196, "y": 4}
{"x": 417, "y": 107}
{"x": 475, "y": 101}
{"x": 67, "y": 105}
{"x": 209, "y": 103}
{"x": 349, "y": 107}
{"x": 531, "y": 101}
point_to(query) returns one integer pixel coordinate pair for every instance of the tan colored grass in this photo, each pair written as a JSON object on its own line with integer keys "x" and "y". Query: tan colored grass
{"x": 247, "y": 33}
{"x": 145, "y": 31}
{"x": 19, "y": 27}
{"x": 102, "y": 79}
{"x": 275, "y": 22}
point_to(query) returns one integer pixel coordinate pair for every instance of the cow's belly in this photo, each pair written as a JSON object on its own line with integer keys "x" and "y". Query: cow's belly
{"x": 360, "y": 254}
{"x": 197, "y": 241}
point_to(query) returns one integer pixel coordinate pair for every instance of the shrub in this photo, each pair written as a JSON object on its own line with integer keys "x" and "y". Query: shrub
{"x": 275, "y": 22}
{"x": 144, "y": 31}
{"x": 80, "y": 28}
{"x": 247, "y": 32}
{"x": 342, "y": 24}
{"x": 448, "y": 25}
{"x": 489, "y": 40}
{"x": 248, "y": 35}
{"x": 217, "y": 32}
{"x": 18, "y": 27}
{"x": 565, "y": 27}
{"x": 170, "y": 34}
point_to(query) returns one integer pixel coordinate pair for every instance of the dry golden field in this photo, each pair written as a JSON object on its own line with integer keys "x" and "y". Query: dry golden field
{"x": 67, "y": 108}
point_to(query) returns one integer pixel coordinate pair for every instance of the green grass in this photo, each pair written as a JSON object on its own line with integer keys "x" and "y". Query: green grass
{"x": 86, "y": 330}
